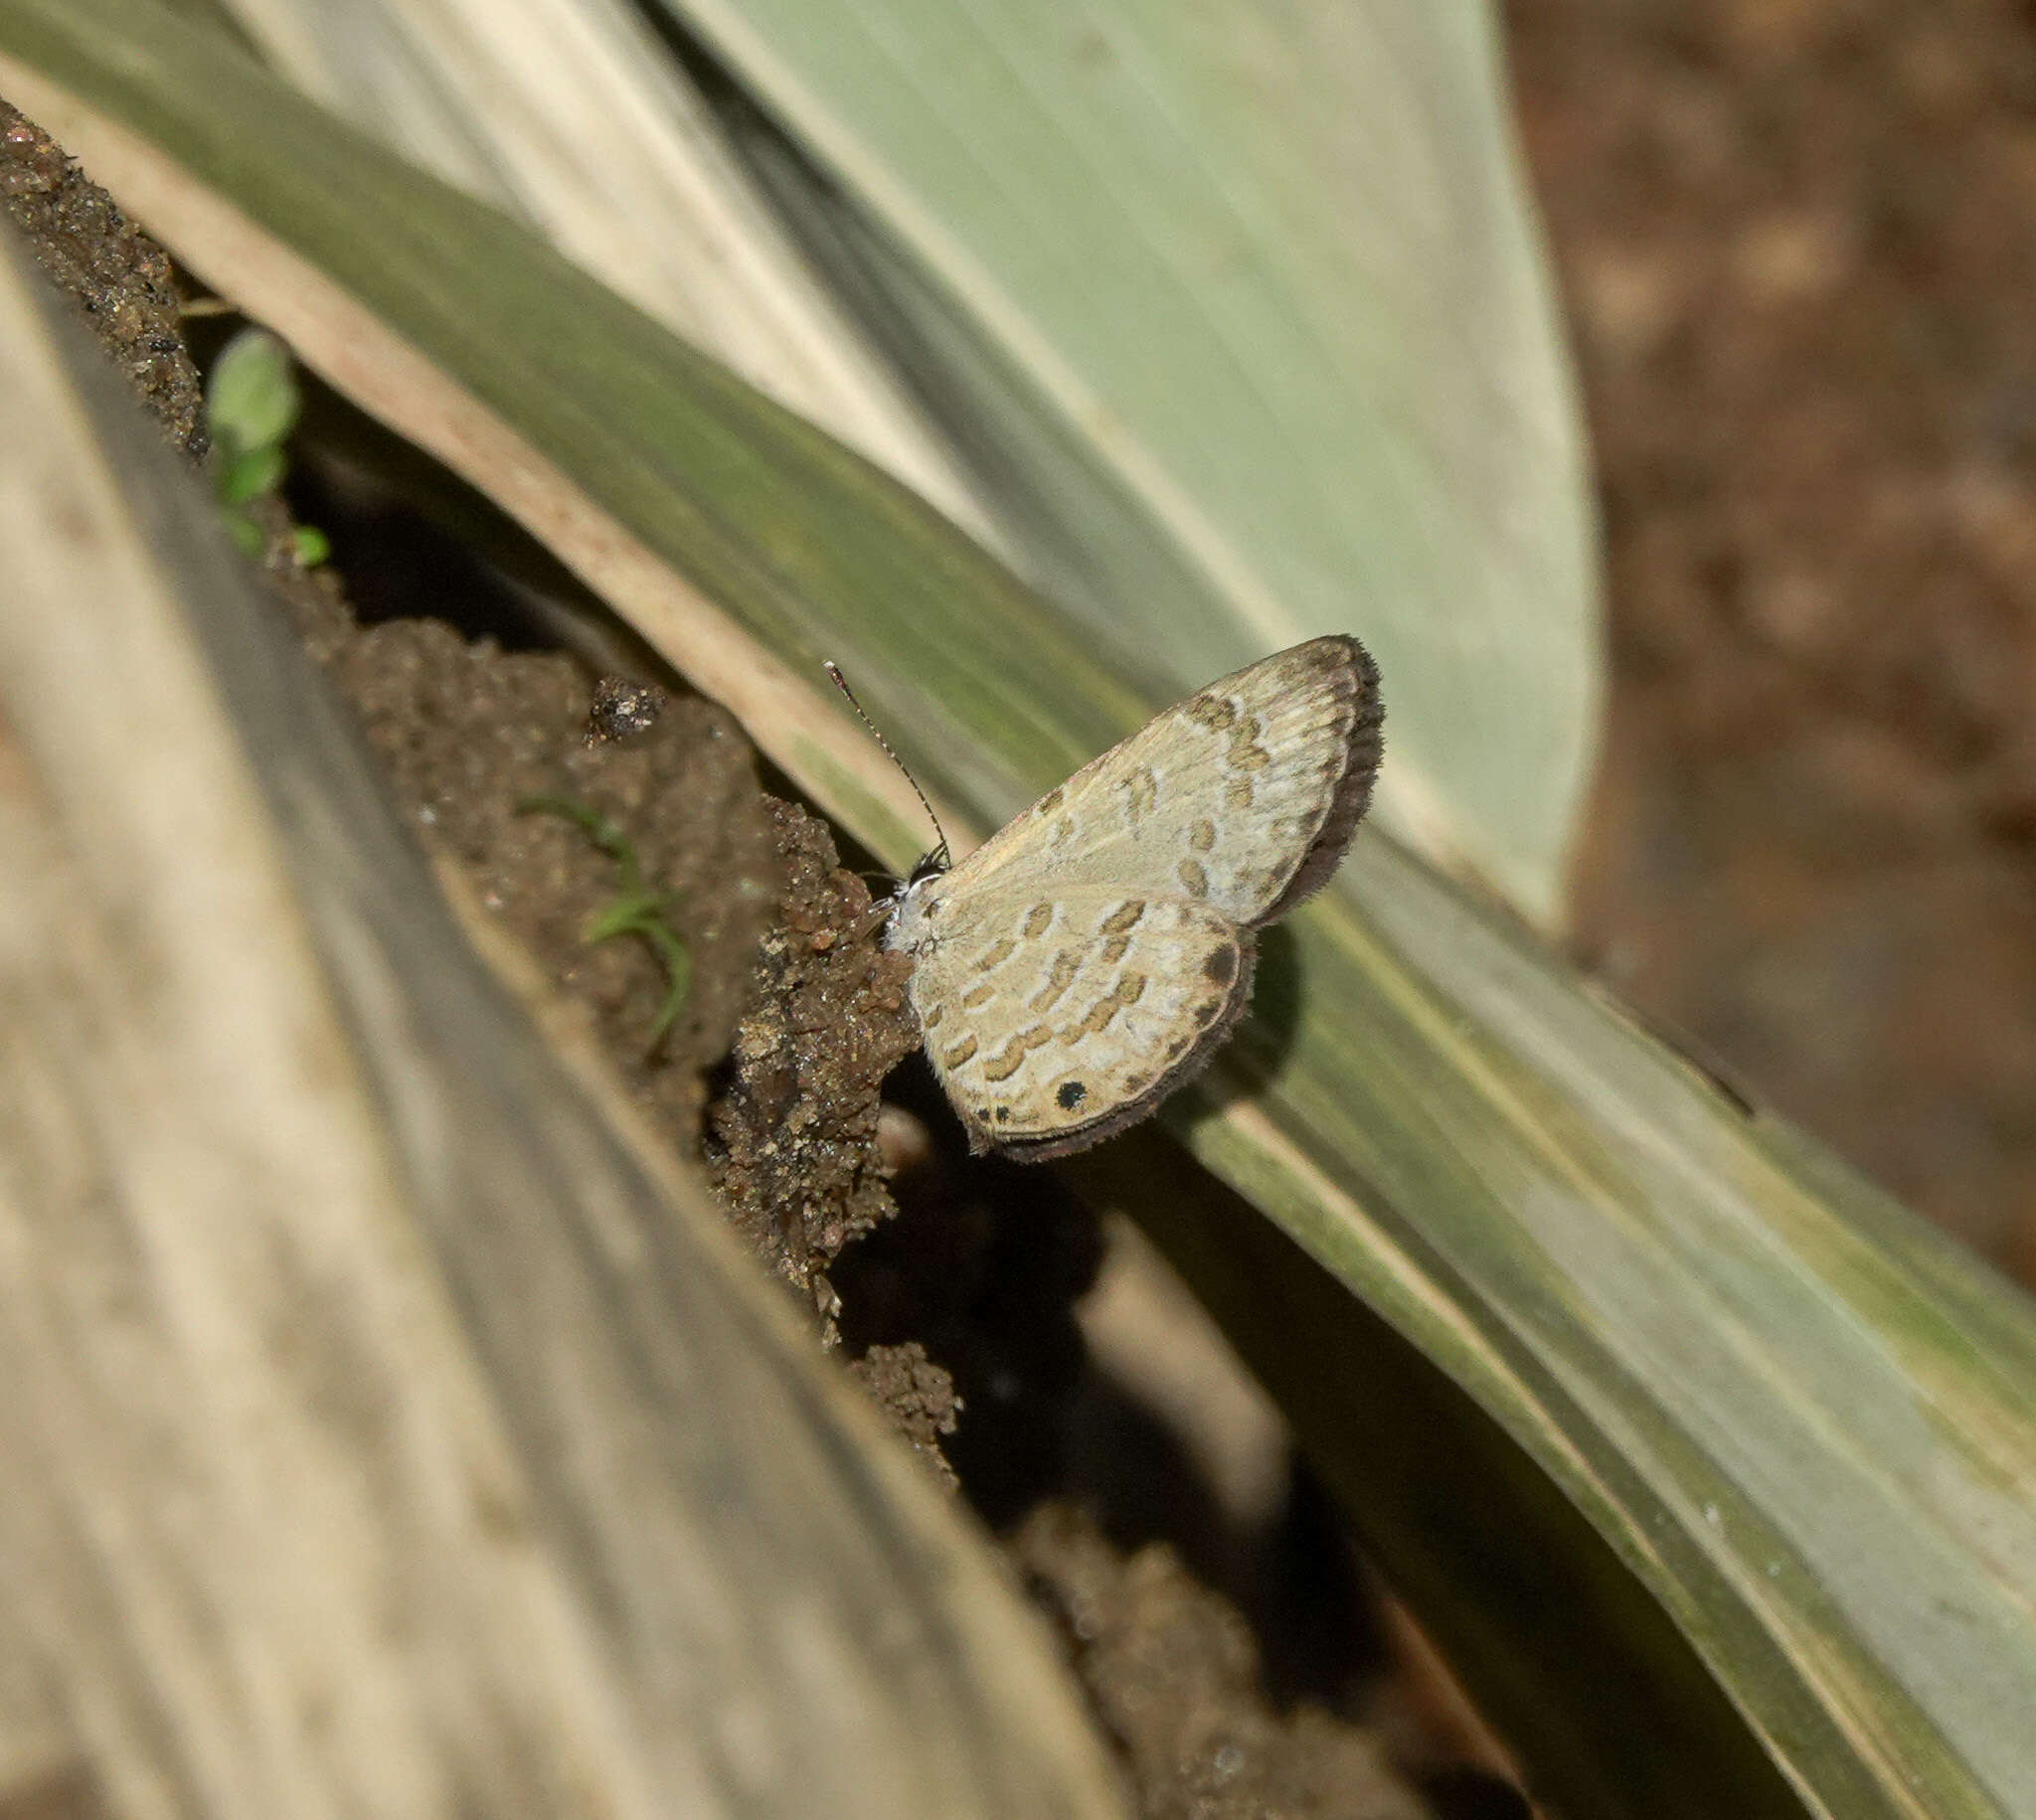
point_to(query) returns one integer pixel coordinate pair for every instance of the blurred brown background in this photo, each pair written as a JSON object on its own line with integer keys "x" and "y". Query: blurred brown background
{"x": 1798, "y": 241}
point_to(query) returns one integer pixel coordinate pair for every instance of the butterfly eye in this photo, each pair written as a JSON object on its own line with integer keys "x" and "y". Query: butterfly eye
{"x": 929, "y": 865}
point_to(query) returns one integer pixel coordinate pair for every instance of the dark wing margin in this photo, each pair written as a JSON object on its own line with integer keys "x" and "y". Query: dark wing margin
{"x": 1346, "y": 669}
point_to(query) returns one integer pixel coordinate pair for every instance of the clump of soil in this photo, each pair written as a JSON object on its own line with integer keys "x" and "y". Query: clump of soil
{"x": 119, "y": 278}
{"x": 794, "y": 1143}
{"x": 1176, "y": 1679}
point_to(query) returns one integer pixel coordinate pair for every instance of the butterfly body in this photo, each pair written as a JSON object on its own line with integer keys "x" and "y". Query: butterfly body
{"x": 1089, "y": 957}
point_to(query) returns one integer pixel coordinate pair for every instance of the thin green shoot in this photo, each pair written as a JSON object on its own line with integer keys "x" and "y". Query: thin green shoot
{"x": 252, "y": 404}
{"x": 636, "y": 909}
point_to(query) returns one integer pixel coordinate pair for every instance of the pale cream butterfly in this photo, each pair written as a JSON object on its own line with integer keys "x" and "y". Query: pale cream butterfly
{"x": 1088, "y": 959}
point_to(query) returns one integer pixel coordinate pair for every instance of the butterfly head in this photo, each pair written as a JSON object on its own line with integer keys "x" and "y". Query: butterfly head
{"x": 908, "y": 925}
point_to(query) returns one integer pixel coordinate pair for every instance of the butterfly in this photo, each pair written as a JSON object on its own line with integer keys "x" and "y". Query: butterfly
{"x": 1090, "y": 956}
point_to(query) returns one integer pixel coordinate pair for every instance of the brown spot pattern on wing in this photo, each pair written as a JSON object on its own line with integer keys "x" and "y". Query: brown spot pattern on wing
{"x": 1011, "y": 1058}
{"x": 1117, "y": 927}
{"x": 1289, "y": 747}
{"x": 1352, "y": 768}
{"x": 1060, "y": 975}
{"x": 1245, "y": 754}
{"x": 1142, "y": 791}
{"x": 1129, "y": 990}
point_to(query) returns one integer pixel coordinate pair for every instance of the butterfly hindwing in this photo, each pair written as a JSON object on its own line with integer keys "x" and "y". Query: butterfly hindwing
{"x": 1052, "y": 1021}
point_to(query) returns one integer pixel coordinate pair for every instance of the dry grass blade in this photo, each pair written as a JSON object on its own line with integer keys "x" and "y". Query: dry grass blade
{"x": 387, "y": 1430}
{"x": 570, "y": 116}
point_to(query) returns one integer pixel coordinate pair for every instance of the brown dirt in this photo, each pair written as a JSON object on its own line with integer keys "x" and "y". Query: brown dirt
{"x": 795, "y": 1134}
{"x": 1798, "y": 239}
{"x": 1175, "y": 1676}
{"x": 469, "y": 734}
{"x": 952, "y": 1303}
{"x": 118, "y": 278}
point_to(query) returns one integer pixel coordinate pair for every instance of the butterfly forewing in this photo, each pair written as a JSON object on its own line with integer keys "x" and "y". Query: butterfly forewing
{"x": 1053, "y": 1021}
{"x": 1241, "y": 797}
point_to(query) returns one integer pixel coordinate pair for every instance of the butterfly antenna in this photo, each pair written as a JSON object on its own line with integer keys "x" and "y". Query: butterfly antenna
{"x": 884, "y": 744}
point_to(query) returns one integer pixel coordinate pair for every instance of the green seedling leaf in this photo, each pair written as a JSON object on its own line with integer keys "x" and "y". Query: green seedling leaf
{"x": 245, "y": 534}
{"x": 250, "y": 398}
{"x": 635, "y": 910}
{"x": 249, "y": 475}
{"x": 252, "y": 404}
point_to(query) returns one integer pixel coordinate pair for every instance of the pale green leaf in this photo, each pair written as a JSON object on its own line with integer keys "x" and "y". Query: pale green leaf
{"x": 1242, "y": 311}
{"x": 250, "y": 400}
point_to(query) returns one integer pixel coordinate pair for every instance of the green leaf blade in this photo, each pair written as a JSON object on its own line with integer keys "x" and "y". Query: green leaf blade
{"x": 1248, "y": 307}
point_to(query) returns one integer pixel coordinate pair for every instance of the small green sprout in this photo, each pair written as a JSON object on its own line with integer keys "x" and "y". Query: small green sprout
{"x": 636, "y": 909}
{"x": 252, "y": 404}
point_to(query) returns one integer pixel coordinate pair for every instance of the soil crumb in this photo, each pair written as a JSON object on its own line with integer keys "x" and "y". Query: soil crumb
{"x": 119, "y": 278}
{"x": 1174, "y": 1675}
{"x": 919, "y": 1396}
{"x": 795, "y": 1134}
